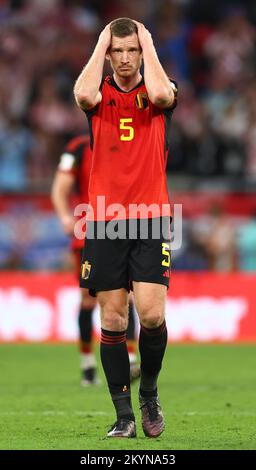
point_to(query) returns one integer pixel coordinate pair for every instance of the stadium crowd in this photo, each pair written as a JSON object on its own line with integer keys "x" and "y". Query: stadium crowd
{"x": 208, "y": 47}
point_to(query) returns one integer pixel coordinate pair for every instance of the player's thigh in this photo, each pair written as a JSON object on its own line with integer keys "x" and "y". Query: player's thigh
{"x": 149, "y": 261}
{"x": 113, "y": 309}
{"x": 105, "y": 265}
{"x": 150, "y": 299}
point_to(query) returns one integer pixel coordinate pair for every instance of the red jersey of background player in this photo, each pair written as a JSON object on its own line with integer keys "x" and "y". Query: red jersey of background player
{"x": 76, "y": 159}
{"x": 129, "y": 141}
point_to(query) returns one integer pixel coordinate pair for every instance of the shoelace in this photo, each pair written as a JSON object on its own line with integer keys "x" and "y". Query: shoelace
{"x": 152, "y": 408}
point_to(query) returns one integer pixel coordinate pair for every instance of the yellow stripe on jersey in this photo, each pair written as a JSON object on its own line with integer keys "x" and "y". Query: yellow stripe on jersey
{"x": 142, "y": 100}
{"x": 139, "y": 101}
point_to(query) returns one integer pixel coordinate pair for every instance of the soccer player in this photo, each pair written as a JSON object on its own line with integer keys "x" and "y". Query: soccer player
{"x": 73, "y": 172}
{"x": 129, "y": 116}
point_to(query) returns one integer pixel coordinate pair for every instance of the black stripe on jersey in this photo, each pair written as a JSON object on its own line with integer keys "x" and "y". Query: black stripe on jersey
{"x": 168, "y": 115}
{"x": 167, "y": 118}
{"x": 76, "y": 148}
{"x": 89, "y": 113}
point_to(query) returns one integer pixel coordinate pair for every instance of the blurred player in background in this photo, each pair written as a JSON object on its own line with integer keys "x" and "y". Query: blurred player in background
{"x": 129, "y": 117}
{"x": 73, "y": 172}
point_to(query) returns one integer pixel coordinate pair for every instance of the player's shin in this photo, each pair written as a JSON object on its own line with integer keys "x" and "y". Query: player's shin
{"x": 152, "y": 345}
{"x": 115, "y": 362}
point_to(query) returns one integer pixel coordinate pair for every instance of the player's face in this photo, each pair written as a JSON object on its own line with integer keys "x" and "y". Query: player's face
{"x": 125, "y": 55}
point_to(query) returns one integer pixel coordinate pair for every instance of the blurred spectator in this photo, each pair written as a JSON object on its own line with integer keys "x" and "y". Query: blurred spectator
{"x": 208, "y": 47}
{"x": 247, "y": 244}
{"x": 172, "y": 33}
{"x": 230, "y": 49}
{"x": 191, "y": 256}
{"x": 197, "y": 143}
{"x": 250, "y": 169}
{"x": 216, "y": 235}
{"x": 15, "y": 145}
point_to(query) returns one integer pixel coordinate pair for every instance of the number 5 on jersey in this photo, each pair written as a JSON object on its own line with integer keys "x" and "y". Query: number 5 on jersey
{"x": 166, "y": 253}
{"x": 129, "y": 131}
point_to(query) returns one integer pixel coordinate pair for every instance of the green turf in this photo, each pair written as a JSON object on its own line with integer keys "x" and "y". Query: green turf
{"x": 207, "y": 393}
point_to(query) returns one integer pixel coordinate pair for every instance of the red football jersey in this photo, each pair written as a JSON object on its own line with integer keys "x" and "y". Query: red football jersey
{"x": 129, "y": 141}
{"x": 76, "y": 159}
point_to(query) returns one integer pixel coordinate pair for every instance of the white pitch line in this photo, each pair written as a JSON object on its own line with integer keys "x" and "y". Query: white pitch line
{"x": 214, "y": 413}
{"x": 54, "y": 413}
{"x": 103, "y": 413}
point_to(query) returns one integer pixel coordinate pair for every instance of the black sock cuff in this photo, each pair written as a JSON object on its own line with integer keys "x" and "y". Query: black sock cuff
{"x": 129, "y": 417}
{"x": 112, "y": 337}
{"x": 148, "y": 393}
{"x": 154, "y": 331}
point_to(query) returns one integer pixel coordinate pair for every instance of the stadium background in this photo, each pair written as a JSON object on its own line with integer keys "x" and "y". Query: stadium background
{"x": 209, "y": 47}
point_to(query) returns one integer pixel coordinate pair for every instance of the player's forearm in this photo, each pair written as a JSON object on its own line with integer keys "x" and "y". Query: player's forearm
{"x": 60, "y": 201}
{"x": 88, "y": 83}
{"x": 87, "y": 86}
{"x": 63, "y": 211}
{"x": 158, "y": 86}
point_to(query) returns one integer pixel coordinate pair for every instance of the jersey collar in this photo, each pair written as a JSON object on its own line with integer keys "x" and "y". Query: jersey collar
{"x": 114, "y": 84}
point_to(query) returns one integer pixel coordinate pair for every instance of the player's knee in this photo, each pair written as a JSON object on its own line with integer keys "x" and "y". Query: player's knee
{"x": 114, "y": 319}
{"x": 151, "y": 317}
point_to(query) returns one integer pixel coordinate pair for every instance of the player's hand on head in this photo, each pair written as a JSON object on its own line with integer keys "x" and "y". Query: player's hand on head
{"x": 105, "y": 36}
{"x": 143, "y": 33}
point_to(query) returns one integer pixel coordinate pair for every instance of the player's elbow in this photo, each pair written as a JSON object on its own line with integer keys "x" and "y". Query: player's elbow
{"x": 83, "y": 100}
{"x": 163, "y": 98}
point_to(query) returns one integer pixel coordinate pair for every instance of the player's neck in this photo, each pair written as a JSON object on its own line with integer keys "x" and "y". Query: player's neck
{"x": 127, "y": 83}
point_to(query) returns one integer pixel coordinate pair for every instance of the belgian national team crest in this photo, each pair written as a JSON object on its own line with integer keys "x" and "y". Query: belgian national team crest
{"x": 141, "y": 100}
{"x": 86, "y": 269}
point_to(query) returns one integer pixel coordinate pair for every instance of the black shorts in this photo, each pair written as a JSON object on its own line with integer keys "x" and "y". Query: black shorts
{"x": 109, "y": 264}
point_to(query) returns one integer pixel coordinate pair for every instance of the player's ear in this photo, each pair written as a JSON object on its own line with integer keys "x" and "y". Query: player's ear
{"x": 107, "y": 55}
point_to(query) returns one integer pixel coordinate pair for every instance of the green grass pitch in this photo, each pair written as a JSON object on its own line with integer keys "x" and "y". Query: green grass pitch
{"x": 207, "y": 394}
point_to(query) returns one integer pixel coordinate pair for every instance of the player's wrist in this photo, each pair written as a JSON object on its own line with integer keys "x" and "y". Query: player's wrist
{"x": 103, "y": 41}
{"x": 147, "y": 42}
{"x": 105, "y": 38}
{"x": 101, "y": 47}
